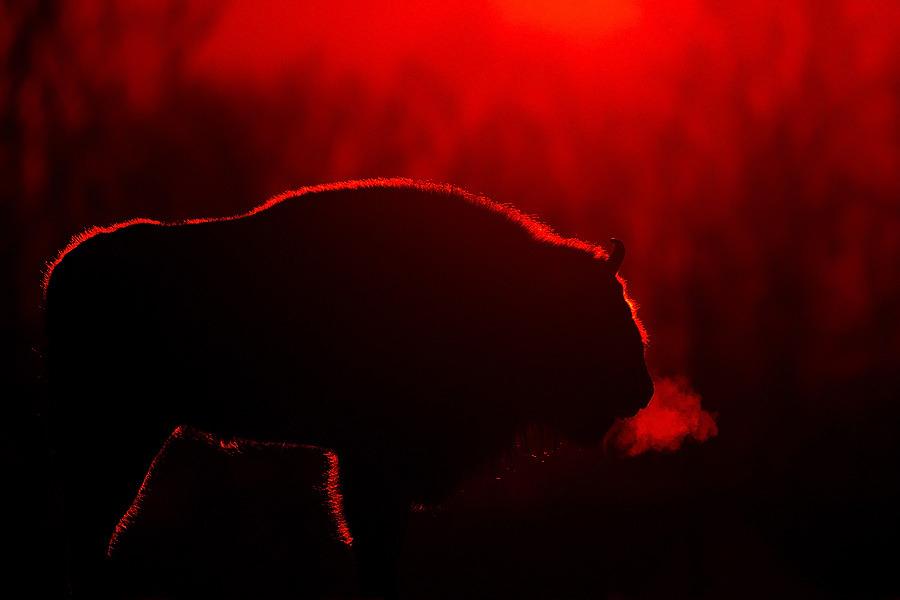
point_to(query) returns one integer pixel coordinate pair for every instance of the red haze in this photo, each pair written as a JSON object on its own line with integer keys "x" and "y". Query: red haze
{"x": 748, "y": 154}
{"x": 673, "y": 415}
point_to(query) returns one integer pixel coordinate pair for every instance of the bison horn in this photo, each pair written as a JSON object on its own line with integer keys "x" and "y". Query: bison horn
{"x": 617, "y": 254}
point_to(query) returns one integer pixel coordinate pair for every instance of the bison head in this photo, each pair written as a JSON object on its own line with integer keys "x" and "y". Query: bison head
{"x": 600, "y": 373}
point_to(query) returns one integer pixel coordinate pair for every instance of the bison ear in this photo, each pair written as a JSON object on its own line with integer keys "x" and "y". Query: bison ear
{"x": 615, "y": 257}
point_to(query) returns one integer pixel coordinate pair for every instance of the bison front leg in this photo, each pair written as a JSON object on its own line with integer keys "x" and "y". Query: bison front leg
{"x": 377, "y": 511}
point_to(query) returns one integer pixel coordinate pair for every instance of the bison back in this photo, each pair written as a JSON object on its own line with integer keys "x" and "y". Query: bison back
{"x": 415, "y": 322}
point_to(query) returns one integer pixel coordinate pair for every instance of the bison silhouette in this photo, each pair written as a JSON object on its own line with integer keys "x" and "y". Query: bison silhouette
{"x": 414, "y": 329}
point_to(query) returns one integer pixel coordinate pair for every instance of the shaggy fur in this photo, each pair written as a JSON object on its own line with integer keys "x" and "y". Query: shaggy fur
{"x": 415, "y": 329}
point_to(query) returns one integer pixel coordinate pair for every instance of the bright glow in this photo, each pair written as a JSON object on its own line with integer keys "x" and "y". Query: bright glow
{"x": 673, "y": 415}
{"x": 579, "y": 18}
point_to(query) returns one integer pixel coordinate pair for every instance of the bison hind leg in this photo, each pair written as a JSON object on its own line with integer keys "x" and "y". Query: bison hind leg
{"x": 100, "y": 474}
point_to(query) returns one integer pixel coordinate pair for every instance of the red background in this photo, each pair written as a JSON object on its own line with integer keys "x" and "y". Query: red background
{"x": 748, "y": 153}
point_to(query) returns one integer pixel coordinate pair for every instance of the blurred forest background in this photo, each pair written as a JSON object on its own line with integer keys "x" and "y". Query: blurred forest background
{"x": 748, "y": 153}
